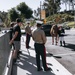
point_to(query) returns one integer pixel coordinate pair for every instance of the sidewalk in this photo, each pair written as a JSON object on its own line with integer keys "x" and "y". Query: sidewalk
{"x": 26, "y": 65}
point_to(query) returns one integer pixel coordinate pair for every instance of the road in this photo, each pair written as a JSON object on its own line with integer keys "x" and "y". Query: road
{"x": 61, "y": 59}
{"x": 64, "y": 55}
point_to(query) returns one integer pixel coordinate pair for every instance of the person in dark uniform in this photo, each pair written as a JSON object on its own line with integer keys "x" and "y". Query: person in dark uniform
{"x": 28, "y": 35}
{"x": 61, "y": 35}
{"x": 39, "y": 38}
{"x": 11, "y": 33}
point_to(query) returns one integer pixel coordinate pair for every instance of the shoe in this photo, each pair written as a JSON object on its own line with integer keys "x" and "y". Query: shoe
{"x": 20, "y": 52}
{"x": 39, "y": 69}
{"x": 48, "y": 69}
{"x": 64, "y": 43}
{"x": 28, "y": 47}
{"x": 18, "y": 57}
{"x": 60, "y": 43}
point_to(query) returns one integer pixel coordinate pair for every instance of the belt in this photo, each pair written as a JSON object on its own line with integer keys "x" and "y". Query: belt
{"x": 39, "y": 42}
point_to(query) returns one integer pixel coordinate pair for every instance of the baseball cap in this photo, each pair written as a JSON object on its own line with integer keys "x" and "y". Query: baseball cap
{"x": 39, "y": 22}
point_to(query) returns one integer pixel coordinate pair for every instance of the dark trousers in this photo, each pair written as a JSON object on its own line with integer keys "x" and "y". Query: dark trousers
{"x": 27, "y": 40}
{"x": 40, "y": 51}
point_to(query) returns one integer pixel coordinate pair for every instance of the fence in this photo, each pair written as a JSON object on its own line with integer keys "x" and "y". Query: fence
{"x": 5, "y": 54}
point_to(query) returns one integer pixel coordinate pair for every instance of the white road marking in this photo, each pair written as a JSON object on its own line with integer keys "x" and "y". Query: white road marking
{"x": 57, "y": 68}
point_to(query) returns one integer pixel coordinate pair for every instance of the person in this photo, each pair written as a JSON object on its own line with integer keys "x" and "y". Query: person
{"x": 16, "y": 38}
{"x": 39, "y": 38}
{"x": 11, "y": 33}
{"x": 61, "y": 35}
{"x": 54, "y": 33}
{"x": 28, "y": 35}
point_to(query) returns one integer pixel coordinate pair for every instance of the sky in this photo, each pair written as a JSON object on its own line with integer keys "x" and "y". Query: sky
{"x": 5, "y": 5}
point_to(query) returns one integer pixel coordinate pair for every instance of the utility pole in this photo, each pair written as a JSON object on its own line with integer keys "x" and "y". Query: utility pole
{"x": 40, "y": 10}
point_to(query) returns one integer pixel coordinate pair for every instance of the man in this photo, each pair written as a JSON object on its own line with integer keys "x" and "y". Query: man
{"x": 11, "y": 33}
{"x": 16, "y": 38}
{"x": 39, "y": 38}
{"x": 28, "y": 35}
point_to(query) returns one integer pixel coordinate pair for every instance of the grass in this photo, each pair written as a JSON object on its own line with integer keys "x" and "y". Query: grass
{"x": 71, "y": 24}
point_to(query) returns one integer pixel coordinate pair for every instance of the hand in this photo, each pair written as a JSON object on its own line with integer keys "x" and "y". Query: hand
{"x": 10, "y": 42}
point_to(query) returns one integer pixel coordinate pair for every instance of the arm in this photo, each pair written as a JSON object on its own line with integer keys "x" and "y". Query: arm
{"x": 44, "y": 37}
{"x": 15, "y": 35}
{"x": 28, "y": 30}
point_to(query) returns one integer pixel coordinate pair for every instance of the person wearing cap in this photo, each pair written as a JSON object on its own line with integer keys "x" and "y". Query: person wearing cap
{"x": 28, "y": 34}
{"x": 16, "y": 38}
{"x": 39, "y": 38}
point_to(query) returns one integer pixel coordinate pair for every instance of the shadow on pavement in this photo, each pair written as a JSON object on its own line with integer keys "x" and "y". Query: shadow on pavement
{"x": 14, "y": 70}
{"x": 51, "y": 55}
{"x": 71, "y": 46}
{"x": 28, "y": 64}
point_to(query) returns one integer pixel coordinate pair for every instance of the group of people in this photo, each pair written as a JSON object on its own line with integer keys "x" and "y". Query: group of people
{"x": 58, "y": 33}
{"x": 39, "y": 39}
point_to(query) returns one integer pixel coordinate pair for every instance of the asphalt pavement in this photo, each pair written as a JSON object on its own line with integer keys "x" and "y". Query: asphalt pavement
{"x": 26, "y": 65}
{"x": 64, "y": 55}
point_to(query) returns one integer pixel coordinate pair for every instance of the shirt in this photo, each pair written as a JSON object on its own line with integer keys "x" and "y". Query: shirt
{"x": 27, "y": 30}
{"x": 38, "y": 36}
{"x": 17, "y": 28}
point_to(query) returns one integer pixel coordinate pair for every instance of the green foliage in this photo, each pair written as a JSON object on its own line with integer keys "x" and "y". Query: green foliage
{"x": 25, "y": 11}
{"x": 3, "y": 15}
{"x": 52, "y": 6}
{"x": 7, "y": 22}
{"x": 63, "y": 18}
{"x": 4, "y": 18}
{"x": 13, "y": 14}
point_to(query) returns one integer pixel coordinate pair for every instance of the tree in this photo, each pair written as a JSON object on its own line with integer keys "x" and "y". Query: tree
{"x": 52, "y": 6}
{"x": 69, "y": 2}
{"x": 13, "y": 14}
{"x": 24, "y": 10}
{"x": 3, "y": 15}
{"x": 65, "y": 1}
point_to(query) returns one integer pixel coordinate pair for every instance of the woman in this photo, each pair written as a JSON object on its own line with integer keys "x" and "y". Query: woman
{"x": 54, "y": 33}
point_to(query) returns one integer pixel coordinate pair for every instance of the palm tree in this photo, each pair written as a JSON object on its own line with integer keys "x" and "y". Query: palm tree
{"x": 64, "y": 2}
{"x": 51, "y": 6}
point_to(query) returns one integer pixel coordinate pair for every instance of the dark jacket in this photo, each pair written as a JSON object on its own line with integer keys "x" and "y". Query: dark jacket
{"x": 61, "y": 32}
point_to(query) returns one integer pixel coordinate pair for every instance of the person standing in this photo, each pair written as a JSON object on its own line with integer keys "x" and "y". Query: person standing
{"x": 54, "y": 34}
{"x": 11, "y": 33}
{"x": 61, "y": 35}
{"x": 16, "y": 38}
{"x": 39, "y": 38}
{"x": 28, "y": 35}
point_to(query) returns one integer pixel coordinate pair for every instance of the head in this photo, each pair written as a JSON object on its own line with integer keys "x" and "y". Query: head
{"x": 19, "y": 21}
{"x": 28, "y": 23}
{"x": 12, "y": 24}
{"x": 60, "y": 27}
{"x": 39, "y": 25}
